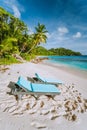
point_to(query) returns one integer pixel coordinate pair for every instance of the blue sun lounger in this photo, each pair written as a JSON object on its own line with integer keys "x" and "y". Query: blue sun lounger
{"x": 48, "y": 81}
{"x": 35, "y": 89}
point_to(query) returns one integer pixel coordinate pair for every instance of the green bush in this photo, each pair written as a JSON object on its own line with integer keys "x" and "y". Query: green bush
{"x": 27, "y": 57}
{"x": 8, "y": 60}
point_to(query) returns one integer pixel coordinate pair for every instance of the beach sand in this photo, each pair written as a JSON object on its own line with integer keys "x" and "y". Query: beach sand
{"x": 67, "y": 111}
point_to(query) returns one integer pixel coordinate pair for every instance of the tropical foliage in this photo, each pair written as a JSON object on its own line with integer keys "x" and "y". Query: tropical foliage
{"x": 14, "y": 35}
{"x": 39, "y": 36}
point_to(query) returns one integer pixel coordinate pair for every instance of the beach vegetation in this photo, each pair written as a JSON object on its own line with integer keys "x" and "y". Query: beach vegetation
{"x": 15, "y": 37}
{"x": 7, "y": 60}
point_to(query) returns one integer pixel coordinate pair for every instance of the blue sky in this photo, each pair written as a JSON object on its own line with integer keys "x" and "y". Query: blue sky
{"x": 65, "y": 20}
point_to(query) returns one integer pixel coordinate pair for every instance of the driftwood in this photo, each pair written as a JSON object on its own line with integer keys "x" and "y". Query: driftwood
{"x": 39, "y": 59}
{"x": 18, "y": 57}
{"x": 3, "y": 68}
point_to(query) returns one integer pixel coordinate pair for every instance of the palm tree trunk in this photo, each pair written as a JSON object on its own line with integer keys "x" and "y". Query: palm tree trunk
{"x": 32, "y": 48}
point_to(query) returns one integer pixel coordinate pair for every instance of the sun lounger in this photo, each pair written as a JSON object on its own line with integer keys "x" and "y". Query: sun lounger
{"x": 34, "y": 88}
{"x": 50, "y": 81}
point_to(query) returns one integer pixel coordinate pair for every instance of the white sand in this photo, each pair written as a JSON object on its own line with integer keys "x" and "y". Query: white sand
{"x": 44, "y": 113}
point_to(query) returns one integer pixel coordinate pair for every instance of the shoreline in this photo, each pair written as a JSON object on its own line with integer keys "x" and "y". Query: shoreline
{"x": 73, "y": 70}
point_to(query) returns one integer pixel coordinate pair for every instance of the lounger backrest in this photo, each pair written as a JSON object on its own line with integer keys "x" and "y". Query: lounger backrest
{"x": 40, "y": 78}
{"x": 24, "y": 83}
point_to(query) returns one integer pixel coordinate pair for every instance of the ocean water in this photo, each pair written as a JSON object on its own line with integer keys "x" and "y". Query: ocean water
{"x": 79, "y": 62}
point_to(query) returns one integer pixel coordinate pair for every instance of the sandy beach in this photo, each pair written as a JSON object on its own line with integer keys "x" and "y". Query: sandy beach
{"x": 67, "y": 111}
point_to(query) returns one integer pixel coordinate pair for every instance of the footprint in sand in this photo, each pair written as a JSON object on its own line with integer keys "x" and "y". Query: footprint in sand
{"x": 38, "y": 125}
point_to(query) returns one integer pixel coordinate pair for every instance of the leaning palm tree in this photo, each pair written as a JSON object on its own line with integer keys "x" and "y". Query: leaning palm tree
{"x": 39, "y": 36}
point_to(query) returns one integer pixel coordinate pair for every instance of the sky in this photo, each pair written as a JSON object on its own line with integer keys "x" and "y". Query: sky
{"x": 65, "y": 20}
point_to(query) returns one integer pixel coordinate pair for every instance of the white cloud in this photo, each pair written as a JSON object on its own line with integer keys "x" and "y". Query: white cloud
{"x": 30, "y": 31}
{"x": 63, "y": 30}
{"x": 48, "y": 35}
{"x": 77, "y": 35}
{"x": 14, "y": 6}
{"x": 59, "y": 35}
{"x": 16, "y": 11}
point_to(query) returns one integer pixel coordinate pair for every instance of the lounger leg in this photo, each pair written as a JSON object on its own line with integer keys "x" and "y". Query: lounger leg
{"x": 18, "y": 97}
{"x": 36, "y": 96}
{"x": 51, "y": 96}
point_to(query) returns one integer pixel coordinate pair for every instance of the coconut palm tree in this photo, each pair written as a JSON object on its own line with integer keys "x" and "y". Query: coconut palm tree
{"x": 39, "y": 36}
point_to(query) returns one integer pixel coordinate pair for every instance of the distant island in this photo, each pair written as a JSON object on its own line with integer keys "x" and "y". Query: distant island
{"x": 16, "y": 40}
{"x": 55, "y": 51}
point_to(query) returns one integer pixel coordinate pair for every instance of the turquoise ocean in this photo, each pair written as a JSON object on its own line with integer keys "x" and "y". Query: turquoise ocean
{"x": 78, "y": 62}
